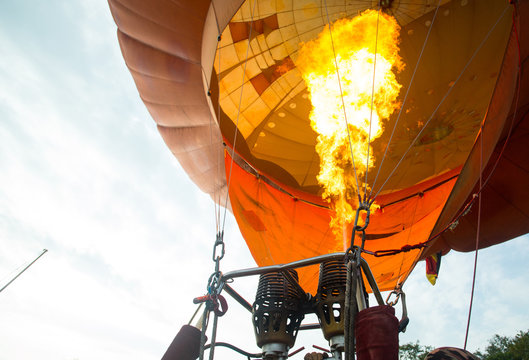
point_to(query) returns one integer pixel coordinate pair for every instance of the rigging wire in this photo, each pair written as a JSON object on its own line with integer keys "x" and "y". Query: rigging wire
{"x": 357, "y": 8}
{"x": 217, "y": 178}
{"x": 406, "y": 95}
{"x": 482, "y": 185}
{"x": 213, "y": 280}
{"x": 517, "y": 97}
{"x": 238, "y": 114}
{"x": 343, "y": 103}
{"x": 469, "y": 204}
{"x": 217, "y": 175}
{"x": 213, "y": 336}
{"x": 463, "y": 211}
{"x": 44, "y": 251}
{"x": 441, "y": 102}
{"x": 372, "y": 100}
{"x": 477, "y": 238}
{"x": 203, "y": 338}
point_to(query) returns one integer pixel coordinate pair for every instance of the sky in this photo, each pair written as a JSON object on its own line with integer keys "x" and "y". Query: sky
{"x": 85, "y": 174}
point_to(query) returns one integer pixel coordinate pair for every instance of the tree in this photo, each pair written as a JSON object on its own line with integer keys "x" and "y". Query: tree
{"x": 413, "y": 351}
{"x": 499, "y": 348}
{"x": 505, "y": 348}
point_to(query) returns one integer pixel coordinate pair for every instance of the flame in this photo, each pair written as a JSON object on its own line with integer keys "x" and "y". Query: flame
{"x": 350, "y": 47}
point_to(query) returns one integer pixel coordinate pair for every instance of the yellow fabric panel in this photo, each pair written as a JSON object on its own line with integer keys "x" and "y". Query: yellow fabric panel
{"x": 442, "y": 146}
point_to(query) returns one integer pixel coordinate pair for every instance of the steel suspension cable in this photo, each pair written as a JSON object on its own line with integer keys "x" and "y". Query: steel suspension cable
{"x": 219, "y": 172}
{"x": 406, "y": 95}
{"x": 217, "y": 175}
{"x": 213, "y": 280}
{"x": 441, "y": 102}
{"x": 238, "y": 114}
{"x": 463, "y": 211}
{"x": 203, "y": 338}
{"x": 482, "y": 185}
{"x": 515, "y": 29}
{"x": 477, "y": 238}
{"x": 217, "y": 208}
{"x": 343, "y": 102}
{"x": 213, "y": 336}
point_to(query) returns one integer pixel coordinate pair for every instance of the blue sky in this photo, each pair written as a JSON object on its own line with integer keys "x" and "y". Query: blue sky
{"x": 85, "y": 174}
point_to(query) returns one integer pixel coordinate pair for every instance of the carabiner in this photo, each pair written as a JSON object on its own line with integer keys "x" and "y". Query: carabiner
{"x": 397, "y": 293}
{"x": 362, "y": 207}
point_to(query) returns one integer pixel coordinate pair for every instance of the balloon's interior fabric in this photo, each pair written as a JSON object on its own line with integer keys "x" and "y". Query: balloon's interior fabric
{"x": 269, "y": 215}
{"x": 191, "y": 83}
{"x": 274, "y": 111}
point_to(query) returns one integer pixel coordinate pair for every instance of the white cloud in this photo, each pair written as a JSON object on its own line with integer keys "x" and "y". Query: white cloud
{"x": 85, "y": 174}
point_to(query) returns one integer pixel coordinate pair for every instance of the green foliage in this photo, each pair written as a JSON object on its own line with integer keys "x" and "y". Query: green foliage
{"x": 499, "y": 348}
{"x": 411, "y": 351}
{"x": 505, "y": 348}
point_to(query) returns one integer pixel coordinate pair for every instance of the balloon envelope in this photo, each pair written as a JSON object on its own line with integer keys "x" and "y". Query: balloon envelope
{"x": 245, "y": 93}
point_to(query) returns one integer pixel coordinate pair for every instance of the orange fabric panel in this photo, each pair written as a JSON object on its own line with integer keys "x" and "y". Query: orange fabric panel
{"x": 240, "y": 30}
{"x": 280, "y": 228}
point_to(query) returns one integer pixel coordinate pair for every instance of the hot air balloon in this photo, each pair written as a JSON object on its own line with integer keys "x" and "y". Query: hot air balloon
{"x": 236, "y": 87}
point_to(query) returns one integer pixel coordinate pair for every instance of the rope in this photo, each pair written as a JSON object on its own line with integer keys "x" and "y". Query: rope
{"x": 343, "y": 103}
{"x": 406, "y": 96}
{"x": 442, "y": 101}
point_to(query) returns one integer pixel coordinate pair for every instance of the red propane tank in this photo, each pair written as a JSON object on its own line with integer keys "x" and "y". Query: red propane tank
{"x": 377, "y": 334}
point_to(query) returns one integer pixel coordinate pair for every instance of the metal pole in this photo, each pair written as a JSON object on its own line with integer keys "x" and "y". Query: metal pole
{"x": 20, "y": 273}
{"x": 282, "y": 267}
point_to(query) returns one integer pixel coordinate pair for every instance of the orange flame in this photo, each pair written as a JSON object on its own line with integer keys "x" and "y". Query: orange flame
{"x": 352, "y": 46}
